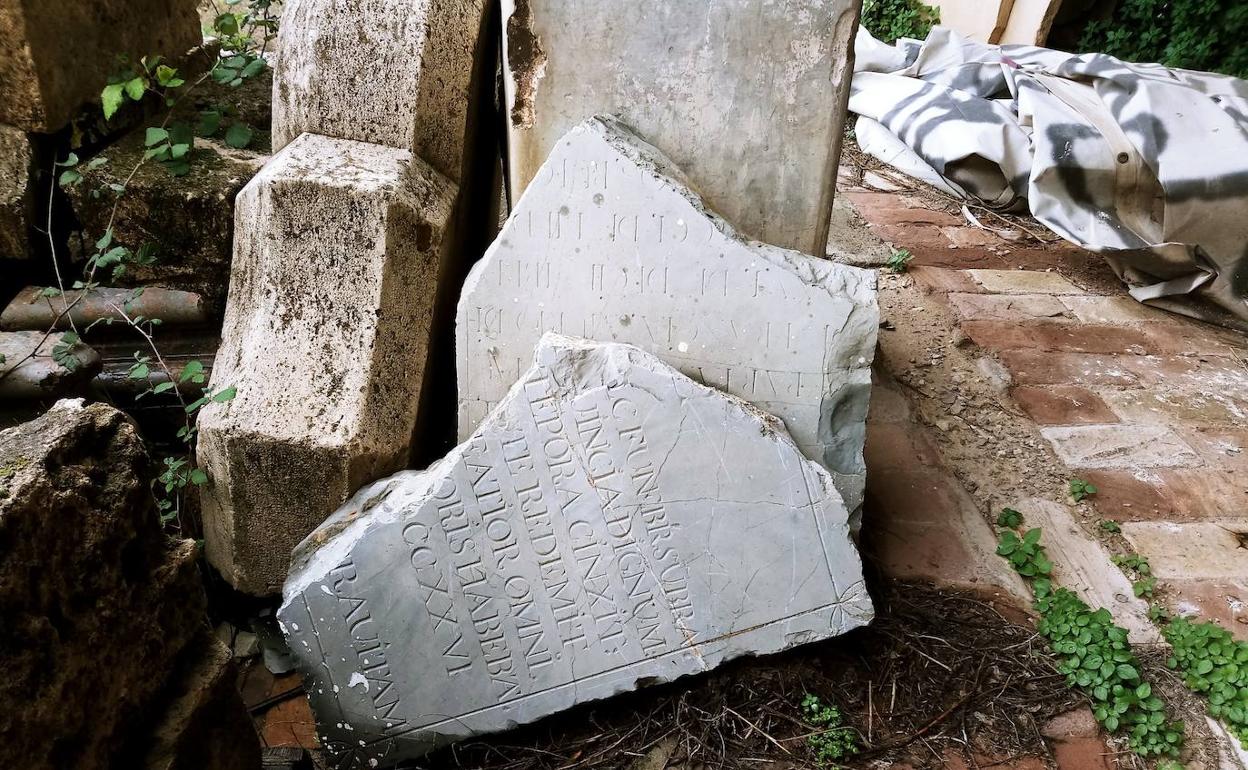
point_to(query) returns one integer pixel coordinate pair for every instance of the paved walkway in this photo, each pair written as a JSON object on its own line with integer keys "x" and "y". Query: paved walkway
{"x": 1149, "y": 407}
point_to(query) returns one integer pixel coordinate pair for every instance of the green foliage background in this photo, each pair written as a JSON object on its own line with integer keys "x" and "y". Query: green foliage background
{"x": 1190, "y": 34}
{"x": 888, "y": 20}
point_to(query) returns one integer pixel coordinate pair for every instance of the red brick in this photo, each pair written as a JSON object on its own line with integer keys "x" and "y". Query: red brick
{"x": 1203, "y": 493}
{"x": 1032, "y": 367}
{"x": 1178, "y": 407}
{"x": 1123, "y": 496}
{"x": 1220, "y": 447}
{"x": 953, "y": 760}
{"x": 290, "y": 722}
{"x": 1223, "y": 374}
{"x": 937, "y": 280}
{"x": 920, "y": 524}
{"x": 1063, "y": 405}
{"x": 1225, "y": 603}
{"x": 1076, "y": 723}
{"x": 1058, "y": 337}
{"x": 1083, "y": 754}
{"x": 939, "y": 254}
{"x": 1195, "y": 338}
{"x": 890, "y": 209}
{"x": 888, "y": 404}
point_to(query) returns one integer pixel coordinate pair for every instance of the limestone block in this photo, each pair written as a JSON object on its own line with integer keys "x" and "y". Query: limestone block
{"x": 610, "y": 243}
{"x": 748, "y": 97}
{"x": 391, "y": 72}
{"x": 336, "y": 252}
{"x": 206, "y": 725}
{"x": 29, "y": 369}
{"x": 59, "y": 55}
{"x": 96, "y": 605}
{"x": 16, "y": 203}
{"x": 613, "y": 524}
{"x": 189, "y": 218}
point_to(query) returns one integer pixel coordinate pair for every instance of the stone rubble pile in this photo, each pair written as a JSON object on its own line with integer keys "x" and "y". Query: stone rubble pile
{"x": 660, "y": 418}
{"x": 108, "y": 657}
{"x": 668, "y": 486}
{"x": 611, "y": 524}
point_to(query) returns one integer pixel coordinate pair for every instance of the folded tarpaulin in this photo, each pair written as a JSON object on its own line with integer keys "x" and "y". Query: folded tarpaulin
{"x": 1146, "y": 165}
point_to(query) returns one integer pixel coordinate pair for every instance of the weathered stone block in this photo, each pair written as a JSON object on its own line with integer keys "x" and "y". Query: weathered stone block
{"x": 58, "y": 56}
{"x": 16, "y": 203}
{"x": 29, "y": 371}
{"x": 336, "y": 255}
{"x": 610, "y": 243}
{"x": 96, "y": 605}
{"x": 190, "y": 219}
{"x": 613, "y": 524}
{"x": 206, "y": 725}
{"x": 748, "y": 97}
{"x": 390, "y": 72}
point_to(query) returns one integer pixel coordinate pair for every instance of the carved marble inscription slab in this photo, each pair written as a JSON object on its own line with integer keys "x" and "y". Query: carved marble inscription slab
{"x": 609, "y": 243}
{"x": 613, "y": 524}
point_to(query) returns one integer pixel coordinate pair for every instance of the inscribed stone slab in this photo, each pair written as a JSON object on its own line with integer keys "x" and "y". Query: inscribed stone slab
{"x": 337, "y": 246}
{"x": 610, "y": 243}
{"x": 611, "y": 525}
{"x": 748, "y": 97}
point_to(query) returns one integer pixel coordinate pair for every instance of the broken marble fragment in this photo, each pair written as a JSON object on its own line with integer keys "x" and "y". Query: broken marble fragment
{"x": 610, "y": 242}
{"x": 612, "y": 524}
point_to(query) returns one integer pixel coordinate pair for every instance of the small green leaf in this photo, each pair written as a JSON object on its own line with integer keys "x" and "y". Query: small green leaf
{"x": 136, "y": 87}
{"x": 238, "y": 135}
{"x": 154, "y": 136}
{"x": 209, "y": 123}
{"x": 112, "y": 96}
{"x": 222, "y": 396}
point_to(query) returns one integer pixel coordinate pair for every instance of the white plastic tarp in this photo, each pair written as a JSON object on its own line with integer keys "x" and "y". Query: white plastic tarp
{"x": 1145, "y": 165}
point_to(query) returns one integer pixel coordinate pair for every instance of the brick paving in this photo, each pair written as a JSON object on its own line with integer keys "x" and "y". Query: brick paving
{"x": 1149, "y": 406}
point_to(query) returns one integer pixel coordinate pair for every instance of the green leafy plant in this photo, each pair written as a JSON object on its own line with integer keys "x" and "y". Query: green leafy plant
{"x": 1009, "y": 518}
{"x": 1141, "y": 572}
{"x": 834, "y": 741}
{"x": 1081, "y": 490}
{"x": 899, "y": 261}
{"x": 1111, "y": 526}
{"x": 1215, "y": 665}
{"x": 1025, "y": 554}
{"x": 1094, "y": 655}
{"x": 1191, "y": 34}
{"x": 888, "y": 20}
{"x": 244, "y": 31}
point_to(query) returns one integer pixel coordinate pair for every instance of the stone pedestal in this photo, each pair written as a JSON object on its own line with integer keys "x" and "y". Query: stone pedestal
{"x": 336, "y": 257}
{"x": 748, "y": 97}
